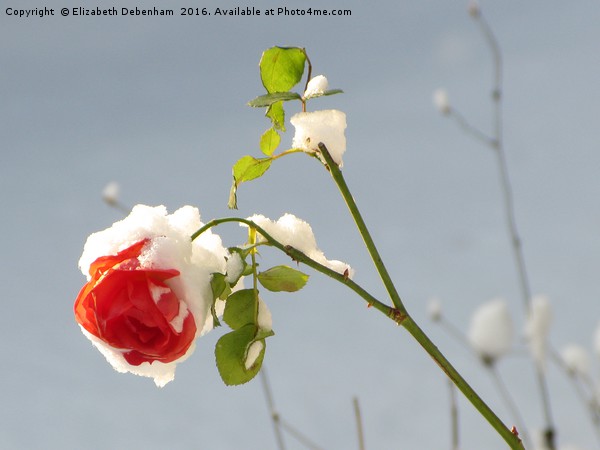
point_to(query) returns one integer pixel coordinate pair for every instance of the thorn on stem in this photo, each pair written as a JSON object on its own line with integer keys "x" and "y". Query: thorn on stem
{"x": 397, "y": 316}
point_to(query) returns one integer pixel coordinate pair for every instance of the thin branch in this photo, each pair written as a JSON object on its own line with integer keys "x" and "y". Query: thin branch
{"x": 298, "y": 256}
{"x": 471, "y": 129}
{"x": 455, "y": 429}
{"x": 496, "y": 143}
{"x": 406, "y": 320}
{"x": 586, "y": 399}
{"x": 510, "y": 403}
{"x": 298, "y": 436}
{"x": 456, "y": 332}
{"x": 500, "y": 385}
{"x": 337, "y": 176}
{"x": 359, "y": 426}
{"x": 275, "y": 418}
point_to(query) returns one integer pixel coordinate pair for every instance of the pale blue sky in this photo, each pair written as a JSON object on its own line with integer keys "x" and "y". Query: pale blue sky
{"x": 158, "y": 104}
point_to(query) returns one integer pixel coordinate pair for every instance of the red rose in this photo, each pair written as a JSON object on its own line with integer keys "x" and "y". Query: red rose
{"x": 132, "y": 309}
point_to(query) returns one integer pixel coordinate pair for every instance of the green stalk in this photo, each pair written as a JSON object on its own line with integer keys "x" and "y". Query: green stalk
{"x": 298, "y": 256}
{"x": 511, "y": 439}
{"x": 362, "y": 228}
{"x": 408, "y": 323}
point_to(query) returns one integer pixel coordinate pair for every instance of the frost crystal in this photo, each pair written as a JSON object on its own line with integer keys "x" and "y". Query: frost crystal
{"x": 170, "y": 248}
{"x": 576, "y": 360}
{"x": 441, "y": 101}
{"x": 491, "y": 330}
{"x": 537, "y": 328}
{"x": 325, "y": 127}
{"x": 289, "y": 230}
{"x": 316, "y": 86}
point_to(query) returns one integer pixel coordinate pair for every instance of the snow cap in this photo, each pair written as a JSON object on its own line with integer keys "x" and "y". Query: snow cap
{"x": 316, "y": 86}
{"x": 491, "y": 330}
{"x": 325, "y": 127}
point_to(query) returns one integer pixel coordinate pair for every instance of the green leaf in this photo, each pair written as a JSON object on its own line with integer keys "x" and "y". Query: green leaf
{"x": 245, "y": 169}
{"x": 248, "y": 270}
{"x": 276, "y": 113}
{"x": 329, "y": 92}
{"x": 333, "y": 92}
{"x": 230, "y": 354}
{"x": 248, "y": 168}
{"x": 232, "y": 202}
{"x": 281, "y": 68}
{"x": 269, "y": 141}
{"x": 262, "y": 334}
{"x": 270, "y": 99}
{"x": 282, "y": 278}
{"x": 240, "y": 309}
{"x": 218, "y": 285}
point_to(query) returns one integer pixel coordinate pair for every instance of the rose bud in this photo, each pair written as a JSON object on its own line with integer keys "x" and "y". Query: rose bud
{"x": 134, "y": 309}
{"x": 148, "y": 294}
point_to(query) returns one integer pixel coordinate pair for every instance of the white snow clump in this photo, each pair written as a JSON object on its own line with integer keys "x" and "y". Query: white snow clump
{"x": 316, "y": 86}
{"x": 265, "y": 322}
{"x": 290, "y": 230}
{"x": 325, "y": 127}
{"x": 576, "y": 360}
{"x": 434, "y": 309}
{"x": 170, "y": 248}
{"x": 441, "y": 101}
{"x": 537, "y": 328}
{"x": 110, "y": 194}
{"x": 491, "y": 330}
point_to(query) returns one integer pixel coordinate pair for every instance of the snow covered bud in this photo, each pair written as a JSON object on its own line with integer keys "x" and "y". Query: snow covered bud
{"x": 491, "y": 330}
{"x": 434, "y": 309}
{"x": 110, "y": 194}
{"x": 474, "y": 10}
{"x": 441, "y": 101}
{"x": 316, "y": 86}
{"x": 576, "y": 360}
{"x": 148, "y": 293}
{"x": 325, "y": 127}
{"x": 537, "y": 328}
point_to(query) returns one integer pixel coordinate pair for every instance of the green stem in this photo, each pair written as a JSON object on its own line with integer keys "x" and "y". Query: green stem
{"x": 298, "y": 256}
{"x": 336, "y": 173}
{"x": 512, "y": 440}
{"x": 408, "y": 323}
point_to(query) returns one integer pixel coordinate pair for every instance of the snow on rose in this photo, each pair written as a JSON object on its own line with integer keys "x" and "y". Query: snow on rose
{"x": 148, "y": 293}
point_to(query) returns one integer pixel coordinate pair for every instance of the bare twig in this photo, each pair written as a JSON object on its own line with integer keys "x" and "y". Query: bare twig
{"x": 510, "y": 403}
{"x": 275, "y": 419}
{"x": 455, "y": 430}
{"x": 359, "y": 426}
{"x": 299, "y": 436}
{"x": 278, "y": 422}
{"x": 495, "y": 142}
